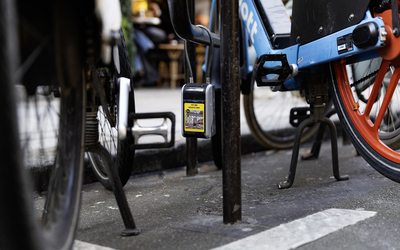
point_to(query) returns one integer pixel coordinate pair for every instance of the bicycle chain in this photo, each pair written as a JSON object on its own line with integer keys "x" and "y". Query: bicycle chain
{"x": 384, "y": 5}
{"x": 364, "y": 78}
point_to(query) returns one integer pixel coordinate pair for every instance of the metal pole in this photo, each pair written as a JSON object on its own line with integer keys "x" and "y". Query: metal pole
{"x": 191, "y": 143}
{"x": 230, "y": 81}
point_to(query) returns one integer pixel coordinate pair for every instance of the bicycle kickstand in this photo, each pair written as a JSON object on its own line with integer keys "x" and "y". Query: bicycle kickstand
{"x": 130, "y": 227}
{"x": 314, "y": 153}
{"x": 323, "y": 120}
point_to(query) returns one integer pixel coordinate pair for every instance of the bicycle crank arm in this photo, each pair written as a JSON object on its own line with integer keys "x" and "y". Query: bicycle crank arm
{"x": 161, "y": 130}
{"x": 123, "y": 105}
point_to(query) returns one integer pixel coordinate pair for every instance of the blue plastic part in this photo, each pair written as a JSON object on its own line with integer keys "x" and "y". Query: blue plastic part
{"x": 326, "y": 49}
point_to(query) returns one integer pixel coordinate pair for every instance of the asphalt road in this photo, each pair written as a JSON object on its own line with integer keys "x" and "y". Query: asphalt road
{"x": 178, "y": 212}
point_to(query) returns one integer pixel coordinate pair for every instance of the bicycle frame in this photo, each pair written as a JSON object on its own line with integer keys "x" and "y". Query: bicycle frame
{"x": 320, "y": 51}
{"x": 308, "y": 55}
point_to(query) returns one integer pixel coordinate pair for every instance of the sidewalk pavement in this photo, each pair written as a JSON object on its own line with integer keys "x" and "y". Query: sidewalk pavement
{"x": 174, "y": 211}
{"x": 178, "y": 212}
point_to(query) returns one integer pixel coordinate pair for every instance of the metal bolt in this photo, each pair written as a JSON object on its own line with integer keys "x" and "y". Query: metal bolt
{"x": 320, "y": 29}
{"x": 351, "y": 17}
{"x": 396, "y": 32}
{"x": 298, "y": 39}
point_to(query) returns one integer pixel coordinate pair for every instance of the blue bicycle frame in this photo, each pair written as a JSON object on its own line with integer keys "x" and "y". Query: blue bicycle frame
{"x": 304, "y": 56}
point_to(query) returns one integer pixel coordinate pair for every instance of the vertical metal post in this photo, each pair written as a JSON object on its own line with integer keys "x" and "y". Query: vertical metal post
{"x": 191, "y": 143}
{"x": 230, "y": 81}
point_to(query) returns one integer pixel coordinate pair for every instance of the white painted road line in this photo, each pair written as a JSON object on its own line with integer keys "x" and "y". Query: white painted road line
{"x": 80, "y": 245}
{"x": 301, "y": 231}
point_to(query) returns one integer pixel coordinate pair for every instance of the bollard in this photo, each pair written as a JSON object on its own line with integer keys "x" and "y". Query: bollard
{"x": 230, "y": 91}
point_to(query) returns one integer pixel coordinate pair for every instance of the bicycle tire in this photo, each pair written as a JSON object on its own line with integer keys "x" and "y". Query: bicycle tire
{"x": 120, "y": 150}
{"x": 15, "y": 199}
{"x": 372, "y": 144}
{"x": 281, "y": 134}
{"x": 60, "y": 215}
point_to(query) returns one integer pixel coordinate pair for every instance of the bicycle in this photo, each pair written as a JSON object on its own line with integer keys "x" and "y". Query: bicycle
{"x": 51, "y": 86}
{"x": 272, "y": 127}
{"x": 314, "y": 55}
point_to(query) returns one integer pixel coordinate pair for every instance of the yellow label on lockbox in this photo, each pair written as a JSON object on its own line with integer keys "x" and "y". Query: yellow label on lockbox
{"x": 194, "y": 117}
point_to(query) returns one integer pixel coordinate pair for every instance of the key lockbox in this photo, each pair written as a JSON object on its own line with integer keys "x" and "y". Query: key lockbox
{"x": 198, "y": 112}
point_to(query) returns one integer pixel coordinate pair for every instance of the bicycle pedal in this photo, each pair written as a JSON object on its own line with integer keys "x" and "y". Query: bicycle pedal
{"x": 273, "y": 75}
{"x": 298, "y": 115}
{"x": 139, "y": 131}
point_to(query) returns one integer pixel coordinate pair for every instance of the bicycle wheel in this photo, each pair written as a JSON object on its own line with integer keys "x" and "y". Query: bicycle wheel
{"x": 267, "y": 115}
{"x": 51, "y": 133}
{"x": 13, "y": 210}
{"x": 108, "y": 135}
{"x": 373, "y": 127}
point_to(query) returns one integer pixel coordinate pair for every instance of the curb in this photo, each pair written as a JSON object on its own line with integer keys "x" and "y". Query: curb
{"x": 152, "y": 160}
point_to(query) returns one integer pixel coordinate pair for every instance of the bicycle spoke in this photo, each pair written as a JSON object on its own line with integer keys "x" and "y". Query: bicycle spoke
{"x": 388, "y": 96}
{"x": 376, "y": 88}
{"x": 39, "y": 127}
{"x": 50, "y": 109}
{"x": 107, "y": 133}
{"x": 32, "y": 57}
